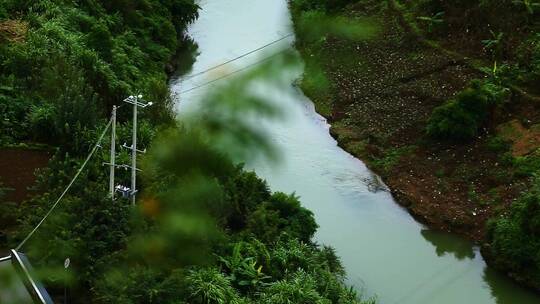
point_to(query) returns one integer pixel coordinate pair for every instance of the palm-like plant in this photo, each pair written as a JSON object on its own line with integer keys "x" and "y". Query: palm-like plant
{"x": 243, "y": 271}
{"x": 291, "y": 255}
{"x": 495, "y": 43}
{"x": 210, "y": 286}
{"x": 300, "y": 288}
{"x": 432, "y": 21}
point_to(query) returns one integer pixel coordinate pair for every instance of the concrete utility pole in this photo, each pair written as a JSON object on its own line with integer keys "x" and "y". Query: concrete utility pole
{"x": 113, "y": 152}
{"x": 134, "y": 154}
{"x": 134, "y": 100}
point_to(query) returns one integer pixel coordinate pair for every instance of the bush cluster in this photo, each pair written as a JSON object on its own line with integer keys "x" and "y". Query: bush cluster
{"x": 514, "y": 240}
{"x": 321, "y": 5}
{"x": 462, "y": 117}
{"x": 529, "y": 61}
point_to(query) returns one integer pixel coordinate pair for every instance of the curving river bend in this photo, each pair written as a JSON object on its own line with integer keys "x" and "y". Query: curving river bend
{"x": 384, "y": 250}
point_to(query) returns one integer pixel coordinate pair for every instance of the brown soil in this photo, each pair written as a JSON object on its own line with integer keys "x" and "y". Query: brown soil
{"x": 382, "y": 105}
{"x": 524, "y": 141}
{"x": 17, "y": 168}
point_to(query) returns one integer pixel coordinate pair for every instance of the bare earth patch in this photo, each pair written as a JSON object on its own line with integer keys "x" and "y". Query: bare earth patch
{"x": 524, "y": 141}
{"x": 17, "y": 168}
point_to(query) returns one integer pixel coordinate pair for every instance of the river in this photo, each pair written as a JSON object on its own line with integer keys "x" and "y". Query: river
{"x": 384, "y": 250}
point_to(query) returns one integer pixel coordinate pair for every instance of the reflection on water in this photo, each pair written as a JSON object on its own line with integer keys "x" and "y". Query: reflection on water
{"x": 505, "y": 295}
{"x": 446, "y": 243}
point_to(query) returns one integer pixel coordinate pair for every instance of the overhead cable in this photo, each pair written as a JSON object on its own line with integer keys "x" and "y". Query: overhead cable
{"x": 232, "y": 73}
{"x": 96, "y": 146}
{"x": 238, "y": 57}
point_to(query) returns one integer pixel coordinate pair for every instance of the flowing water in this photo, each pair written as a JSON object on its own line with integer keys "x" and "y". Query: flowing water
{"x": 385, "y": 251}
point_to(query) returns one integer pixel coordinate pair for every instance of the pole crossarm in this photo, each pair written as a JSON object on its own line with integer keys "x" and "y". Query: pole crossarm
{"x": 125, "y": 146}
{"x": 137, "y": 102}
{"x": 121, "y": 166}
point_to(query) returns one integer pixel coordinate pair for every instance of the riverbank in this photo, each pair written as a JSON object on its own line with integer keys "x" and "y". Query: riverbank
{"x": 381, "y": 95}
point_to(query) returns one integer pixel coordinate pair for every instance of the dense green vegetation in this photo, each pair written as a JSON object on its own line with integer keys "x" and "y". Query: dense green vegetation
{"x": 444, "y": 77}
{"x": 320, "y": 5}
{"x": 204, "y": 230}
{"x": 514, "y": 240}
{"x": 64, "y": 64}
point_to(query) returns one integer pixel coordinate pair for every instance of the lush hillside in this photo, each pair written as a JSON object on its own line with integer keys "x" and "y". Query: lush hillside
{"x": 443, "y": 102}
{"x": 64, "y": 64}
{"x": 204, "y": 230}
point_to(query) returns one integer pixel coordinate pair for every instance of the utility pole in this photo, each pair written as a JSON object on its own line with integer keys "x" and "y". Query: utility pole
{"x": 134, "y": 154}
{"x": 137, "y": 102}
{"x": 113, "y": 152}
{"x": 66, "y": 266}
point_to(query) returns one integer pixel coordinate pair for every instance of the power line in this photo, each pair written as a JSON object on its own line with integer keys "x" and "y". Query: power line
{"x": 232, "y": 73}
{"x": 110, "y": 121}
{"x": 67, "y": 188}
{"x": 444, "y": 285}
{"x": 239, "y": 57}
{"x": 423, "y": 284}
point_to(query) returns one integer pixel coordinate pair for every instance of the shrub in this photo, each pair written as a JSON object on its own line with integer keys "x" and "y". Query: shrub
{"x": 42, "y": 121}
{"x": 141, "y": 285}
{"x": 324, "y": 5}
{"x": 210, "y": 286}
{"x": 300, "y": 288}
{"x": 244, "y": 191}
{"x": 290, "y": 255}
{"x": 498, "y": 144}
{"x": 529, "y": 58}
{"x": 12, "y": 120}
{"x": 100, "y": 39}
{"x": 462, "y": 117}
{"x": 282, "y": 213}
{"x": 527, "y": 165}
{"x": 245, "y": 272}
{"x": 515, "y": 239}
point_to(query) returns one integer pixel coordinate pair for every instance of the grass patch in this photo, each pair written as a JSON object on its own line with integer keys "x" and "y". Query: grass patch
{"x": 527, "y": 165}
{"x": 316, "y": 86}
{"x": 392, "y": 157}
{"x": 356, "y": 147}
